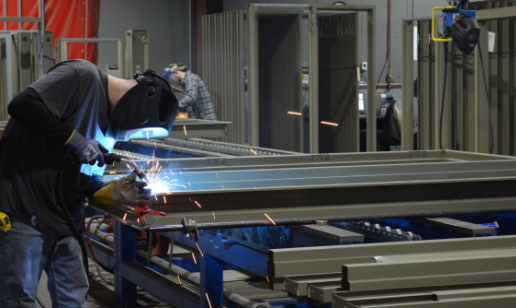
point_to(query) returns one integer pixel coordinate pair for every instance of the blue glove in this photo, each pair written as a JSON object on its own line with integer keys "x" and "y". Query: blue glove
{"x": 88, "y": 151}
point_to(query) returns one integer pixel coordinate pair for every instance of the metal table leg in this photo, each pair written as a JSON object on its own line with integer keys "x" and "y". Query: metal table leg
{"x": 125, "y": 250}
{"x": 211, "y": 282}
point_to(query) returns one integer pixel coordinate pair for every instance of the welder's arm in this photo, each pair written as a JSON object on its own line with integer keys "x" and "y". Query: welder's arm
{"x": 28, "y": 109}
{"x": 126, "y": 191}
{"x": 191, "y": 90}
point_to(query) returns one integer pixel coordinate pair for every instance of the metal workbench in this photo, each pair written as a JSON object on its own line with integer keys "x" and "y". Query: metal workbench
{"x": 299, "y": 190}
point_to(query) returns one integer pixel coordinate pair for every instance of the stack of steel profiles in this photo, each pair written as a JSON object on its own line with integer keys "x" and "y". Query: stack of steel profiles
{"x": 194, "y": 128}
{"x": 467, "y": 296}
{"x": 305, "y": 160}
{"x": 322, "y": 274}
{"x": 339, "y": 193}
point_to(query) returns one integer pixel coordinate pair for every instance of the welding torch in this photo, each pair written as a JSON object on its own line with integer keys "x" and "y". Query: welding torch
{"x": 111, "y": 158}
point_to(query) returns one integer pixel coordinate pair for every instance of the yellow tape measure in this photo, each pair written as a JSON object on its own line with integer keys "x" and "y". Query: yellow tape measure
{"x": 5, "y": 222}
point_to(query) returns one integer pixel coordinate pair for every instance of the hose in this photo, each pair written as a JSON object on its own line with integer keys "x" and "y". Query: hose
{"x": 444, "y": 94}
{"x": 454, "y": 100}
{"x": 61, "y": 200}
{"x": 97, "y": 261}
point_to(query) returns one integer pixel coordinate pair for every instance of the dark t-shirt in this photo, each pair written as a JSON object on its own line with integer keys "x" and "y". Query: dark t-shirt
{"x": 76, "y": 92}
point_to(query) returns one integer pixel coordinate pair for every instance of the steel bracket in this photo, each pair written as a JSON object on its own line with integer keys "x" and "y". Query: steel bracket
{"x": 190, "y": 229}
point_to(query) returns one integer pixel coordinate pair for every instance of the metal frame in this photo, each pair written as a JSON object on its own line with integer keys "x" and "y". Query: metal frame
{"x": 62, "y": 49}
{"x": 314, "y": 71}
{"x": 223, "y": 69}
{"x": 326, "y": 262}
{"x": 199, "y": 129}
{"x": 472, "y": 111}
{"x": 253, "y": 74}
{"x": 307, "y": 194}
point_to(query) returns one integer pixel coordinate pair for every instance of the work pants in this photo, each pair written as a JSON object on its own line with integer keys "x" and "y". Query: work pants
{"x": 25, "y": 252}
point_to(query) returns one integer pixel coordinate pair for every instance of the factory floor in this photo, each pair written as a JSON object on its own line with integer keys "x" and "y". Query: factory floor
{"x": 101, "y": 295}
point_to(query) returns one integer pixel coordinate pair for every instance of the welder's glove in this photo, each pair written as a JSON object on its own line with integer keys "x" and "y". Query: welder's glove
{"x": 126, "y": 191}
{"x": 88, "y": 151}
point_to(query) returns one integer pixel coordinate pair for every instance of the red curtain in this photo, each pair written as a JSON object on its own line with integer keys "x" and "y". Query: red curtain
{"x": 67, "y": 19}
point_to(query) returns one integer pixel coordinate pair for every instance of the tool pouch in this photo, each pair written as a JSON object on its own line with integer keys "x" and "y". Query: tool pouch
{"x": 5, "y": 222}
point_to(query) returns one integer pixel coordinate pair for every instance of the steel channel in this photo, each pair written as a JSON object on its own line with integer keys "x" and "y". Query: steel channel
{"x": 297, "y": 286}
{"x": 290, "y": 262}
{"x": 433, "y": 269}
{"x": 407, "y": 135}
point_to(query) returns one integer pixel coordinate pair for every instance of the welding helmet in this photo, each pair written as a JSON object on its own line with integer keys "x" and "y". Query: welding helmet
{"x": 147, "y": 110}
{"x": 465, "y": 34}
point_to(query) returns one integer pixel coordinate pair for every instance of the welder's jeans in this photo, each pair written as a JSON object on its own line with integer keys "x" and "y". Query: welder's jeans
{"x": 25, "y": 252}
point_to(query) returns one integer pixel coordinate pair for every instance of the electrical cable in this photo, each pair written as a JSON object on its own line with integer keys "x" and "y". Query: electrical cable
{"x": 454, "y": 99}
{"x": 491, "y": 144}
{"x": 444, "y": 94}
{"x": 98, "y": 263}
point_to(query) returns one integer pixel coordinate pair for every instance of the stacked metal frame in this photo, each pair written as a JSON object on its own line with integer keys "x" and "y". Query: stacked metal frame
{"x": 338, "y": 83}
{"x": 279, "y": 73}
{"x": 473, "y": 114}
{"x": 223, "y": 70}
{"x": 274, "y": 73}
{"x": 317, "y": 70}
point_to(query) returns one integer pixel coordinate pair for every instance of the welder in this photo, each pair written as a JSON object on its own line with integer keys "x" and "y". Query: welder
{"x": 51, "y": 161}
{"x": 196, "y": 101}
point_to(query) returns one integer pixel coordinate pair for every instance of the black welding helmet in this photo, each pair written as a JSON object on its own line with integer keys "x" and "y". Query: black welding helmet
{"x": 147, "y": 110}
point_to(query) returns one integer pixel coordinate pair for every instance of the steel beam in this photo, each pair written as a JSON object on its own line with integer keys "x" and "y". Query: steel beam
{"x": 433, "y": 269}
{"x": 457, "y": 225}
{"x": 343, "y": 299}
{"x": 297, "y": 286}
{"x": 284, "y": 263}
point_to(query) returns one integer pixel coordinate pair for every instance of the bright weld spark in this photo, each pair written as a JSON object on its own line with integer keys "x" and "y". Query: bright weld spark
{"x": 180, "y": 172}
{"x": 267, "y": 279}
{"x": 190, "y": 200}
{"x": 222, "y": 186}
{"x": 147, "y": 134}
{"x": 253, "y": 152}
{"x": 166, "y": 177}
{"x": 329, "y": 123}
{"x": 155, "y": 145}
{"x": 213, "y": 215}
{"x": 184, "y": 127}
{"x": 195, "y": 260}
{"x": 189, "y": 185}
{"x": 217, "y": 175}
{"x": 208, "y": 298}
{"x": 294, "y": 113}
{"x": 157, "y": 219}
{"x": 112, "y": 172}
{"x": 165, "y": 199}
{"x": 156, "y": 197}
{"x": 269, "y": 218}
{"x": 202, "y": 255}
{"x": 138, "y": 219}
{"x": 179, "y": 279}
{"x": 125, "y": 216}
{"x": 197, "y": 204}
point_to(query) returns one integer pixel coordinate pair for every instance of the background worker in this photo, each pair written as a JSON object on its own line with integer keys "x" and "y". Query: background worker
{"x": 197, "y": 100}
{"x": 59, "y": 129}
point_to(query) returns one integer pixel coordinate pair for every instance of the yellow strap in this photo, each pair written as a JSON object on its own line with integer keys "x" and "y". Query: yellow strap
{"x": 103, "y": 195}
{"x": 70, "y": 137}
